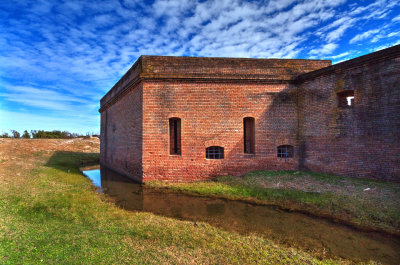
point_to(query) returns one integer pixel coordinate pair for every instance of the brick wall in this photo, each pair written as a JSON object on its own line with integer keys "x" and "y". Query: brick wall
{"x": 211, "y": 96}
{"x": 121, "y": 134}
{"x": 359, "y": 141}
{"x": 212, "y": 115}
{"x": 291, "y": 104}
{"x": 206, "y": 68}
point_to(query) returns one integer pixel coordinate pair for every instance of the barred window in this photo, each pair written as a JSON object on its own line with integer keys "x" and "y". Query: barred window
{"x": 215, "y": 152}
{"x": 285, "y": 151}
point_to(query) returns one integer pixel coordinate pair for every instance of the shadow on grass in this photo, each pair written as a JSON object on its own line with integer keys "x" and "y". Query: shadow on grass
{"x": 72, "y": 161}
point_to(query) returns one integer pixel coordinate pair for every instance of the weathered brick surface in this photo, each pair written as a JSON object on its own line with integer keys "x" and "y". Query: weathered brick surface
{"x": 227, "y": 68}
{"x": 121, "y": 136}
{"x": 210, "y": 69}
{"x": 212, "y": 115}
{"x": 359, "y": 141}
{"x": 292, "y": 102}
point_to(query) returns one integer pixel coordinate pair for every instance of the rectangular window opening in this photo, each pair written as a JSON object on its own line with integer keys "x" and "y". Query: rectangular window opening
{"x": 345, "y": 99}
{"x": 175, "y": 136}
{"x": 215, "y": 152}
{"x": 285, "y": 151}
{"x": 249, "y": 135}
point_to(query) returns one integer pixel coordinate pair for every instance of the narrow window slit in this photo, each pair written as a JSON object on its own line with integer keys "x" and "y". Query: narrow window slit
{"x": 249, "y": 135}
{"x": 175, "y": 136}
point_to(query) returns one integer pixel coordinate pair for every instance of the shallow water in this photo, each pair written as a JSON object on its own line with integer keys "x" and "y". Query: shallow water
{"x": 317, "y": 235}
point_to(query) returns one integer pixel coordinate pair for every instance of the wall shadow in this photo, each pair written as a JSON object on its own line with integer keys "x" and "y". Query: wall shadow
{"x": 71, "y": 161}
{"x": 276, "y": 125}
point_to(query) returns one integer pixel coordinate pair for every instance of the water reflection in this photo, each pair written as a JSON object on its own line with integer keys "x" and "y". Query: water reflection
{"x": 312, "y": 234}
{"x": 94, "y": 176}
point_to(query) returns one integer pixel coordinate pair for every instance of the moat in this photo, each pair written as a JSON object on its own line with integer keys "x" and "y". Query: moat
{"x": 316, "y": 235}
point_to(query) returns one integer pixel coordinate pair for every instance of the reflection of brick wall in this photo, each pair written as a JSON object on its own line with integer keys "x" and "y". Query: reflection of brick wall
{"x": 292, "y": 105}
{"x": 362, "y": 140}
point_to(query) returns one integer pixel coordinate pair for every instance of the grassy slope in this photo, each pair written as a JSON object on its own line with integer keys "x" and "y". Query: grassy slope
{"x": 51, "y": 214}
{"x": 345, "y": 199}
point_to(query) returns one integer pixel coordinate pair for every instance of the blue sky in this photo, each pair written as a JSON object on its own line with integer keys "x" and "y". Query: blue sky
{"x": 58, "y": 58}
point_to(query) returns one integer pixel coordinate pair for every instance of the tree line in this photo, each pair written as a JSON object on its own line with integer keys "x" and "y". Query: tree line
{"x": 42, "y": 134}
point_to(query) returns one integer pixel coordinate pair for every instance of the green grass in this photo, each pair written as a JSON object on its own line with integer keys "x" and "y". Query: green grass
{"x": 365, "y": 203}
{"x": 51, "y": 214}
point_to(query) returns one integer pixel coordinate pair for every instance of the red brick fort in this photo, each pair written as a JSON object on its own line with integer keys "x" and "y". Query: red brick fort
{"x": 193, "y": 118}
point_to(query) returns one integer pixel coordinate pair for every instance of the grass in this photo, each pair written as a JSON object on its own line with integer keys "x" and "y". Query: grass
{"x": 51, "y": 214}
{"x": 364, "y": 203}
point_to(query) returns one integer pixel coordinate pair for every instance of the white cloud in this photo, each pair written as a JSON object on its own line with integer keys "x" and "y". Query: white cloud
{"x": 339, "y": 32}
{"x": 363, "y": 36}
{"x": 387, "y": 45}
{"x": 50, "y": 99}
{"x": 392, "y": 34}
{"x": 324, "y": 50}
{"x": 73, "y": 52}
{"x": 340, "y": 55}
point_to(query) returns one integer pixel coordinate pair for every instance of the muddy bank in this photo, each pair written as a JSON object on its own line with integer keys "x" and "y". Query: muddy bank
{"x": 289, "y": 207}
{"x": 319, "y": 236}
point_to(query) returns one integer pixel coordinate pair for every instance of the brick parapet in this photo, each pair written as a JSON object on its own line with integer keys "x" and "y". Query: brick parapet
{"x": 205, "y": 69}
{"x": 349, "y": 65}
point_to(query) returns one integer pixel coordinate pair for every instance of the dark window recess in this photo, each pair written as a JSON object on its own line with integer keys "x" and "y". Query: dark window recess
{"x": 215, "y": 152}
{"x": 285, "y": 151}
{"x": 345, "y": 98}
{"x": 249, "y": 135}
{"x": 175, "y": 136}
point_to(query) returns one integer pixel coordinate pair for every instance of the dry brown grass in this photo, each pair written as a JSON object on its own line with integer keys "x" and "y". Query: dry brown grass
{"x": 19, "y": 155}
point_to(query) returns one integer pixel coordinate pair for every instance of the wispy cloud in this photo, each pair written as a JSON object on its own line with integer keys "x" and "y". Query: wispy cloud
{"x": 364, "y": 35}
{"x": 324, "y": 50}
{"x": 340, "y": 55}
{"x": 43, "y": 98}
{"x": 337, "y": 33}
{"x": 62, "y": 56}
{"x": 356, "y": 21}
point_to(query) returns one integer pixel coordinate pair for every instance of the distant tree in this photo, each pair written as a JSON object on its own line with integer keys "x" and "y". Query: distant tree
{"x": 67, "y": 134}
{"x": 55, "y": 134}
{"x": 33, "y": 133}
{"x": 37, "y": 134}
{"x": 4, "y": 135}
{"x": 26, "y": 135}
{"x": 15, "y": 134}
